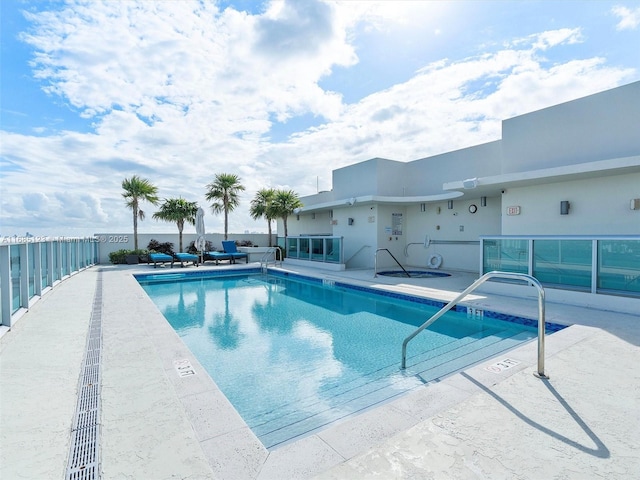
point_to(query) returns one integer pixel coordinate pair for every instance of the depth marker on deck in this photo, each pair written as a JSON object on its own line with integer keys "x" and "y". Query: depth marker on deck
{"x": 184, "y": 368}
{"x": 502, "y": 365}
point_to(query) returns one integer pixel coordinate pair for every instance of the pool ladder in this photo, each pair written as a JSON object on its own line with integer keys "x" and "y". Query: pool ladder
{"x": 264, "y": 261}
{"x": 506, "y": 275}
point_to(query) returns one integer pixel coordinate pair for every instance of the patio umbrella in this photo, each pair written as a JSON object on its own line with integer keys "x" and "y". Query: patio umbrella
{"x": 201, "y": 242}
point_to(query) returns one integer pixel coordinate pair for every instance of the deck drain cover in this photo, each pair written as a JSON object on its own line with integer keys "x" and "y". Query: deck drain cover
{"x": 83, "y": 461}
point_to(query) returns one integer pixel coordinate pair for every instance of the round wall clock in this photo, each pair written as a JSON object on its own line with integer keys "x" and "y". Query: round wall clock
{"x": 473, "y": 208}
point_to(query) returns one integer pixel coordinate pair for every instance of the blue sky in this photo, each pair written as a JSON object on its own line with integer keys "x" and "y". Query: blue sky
{"x": 280, "y": 93}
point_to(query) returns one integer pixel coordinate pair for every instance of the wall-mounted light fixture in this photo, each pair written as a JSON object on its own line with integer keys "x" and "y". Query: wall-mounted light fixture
{"x": 450, "y": 204}
{"x": 423, "y": 207}
{"x": 298, "y": 217}
{"x": 483, "y": 201}
{"x": 634, "y": 204}
{"x": 470, "y": 183}
{"x": 350, "y": 221}
{"x": 564, "y": 207}
{"x": 313, "y": 216}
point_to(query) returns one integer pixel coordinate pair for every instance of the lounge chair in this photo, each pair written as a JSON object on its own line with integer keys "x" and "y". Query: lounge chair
{"x": 186, "y": 257}
{"x": 160, "y": 258}
{"x": 216, "y": 256}
{"x": 229, "y": 247}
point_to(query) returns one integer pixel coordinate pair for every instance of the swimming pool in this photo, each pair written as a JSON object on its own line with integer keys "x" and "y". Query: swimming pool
{"x": 293, "y": 354}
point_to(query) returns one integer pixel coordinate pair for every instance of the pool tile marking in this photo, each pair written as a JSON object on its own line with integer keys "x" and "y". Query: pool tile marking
{"x": 502, "y": 365}
{"x": 184, "y": 368}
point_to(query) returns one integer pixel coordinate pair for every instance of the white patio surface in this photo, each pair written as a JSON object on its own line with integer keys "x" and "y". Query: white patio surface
{"x": 582, "y": 423}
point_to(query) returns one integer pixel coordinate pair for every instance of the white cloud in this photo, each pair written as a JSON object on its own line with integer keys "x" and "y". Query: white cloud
{"x": 629, "y": 17}
{"x": 180, "y": 91}
{"x": 553, "y": 38}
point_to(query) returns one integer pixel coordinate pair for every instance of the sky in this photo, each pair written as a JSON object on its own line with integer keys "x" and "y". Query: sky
{"x": 280, "y": 93}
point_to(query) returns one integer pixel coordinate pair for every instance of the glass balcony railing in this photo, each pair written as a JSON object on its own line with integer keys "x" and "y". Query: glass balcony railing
{"x": 28, "y": 266}
{"x": 324, "y": 249}
{"x": 608, "y": 265}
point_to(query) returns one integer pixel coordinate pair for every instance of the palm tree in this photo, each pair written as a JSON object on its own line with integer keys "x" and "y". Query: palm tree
{"x": 177, "y": 210}
{"x": 284, "y": 203}
{"x": 223, "y": 192}
{"x": 138, "y": 189}
{"x": 261, "y": 207}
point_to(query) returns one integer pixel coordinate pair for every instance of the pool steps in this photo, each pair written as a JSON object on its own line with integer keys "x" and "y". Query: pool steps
{"x": 356, "y": 396}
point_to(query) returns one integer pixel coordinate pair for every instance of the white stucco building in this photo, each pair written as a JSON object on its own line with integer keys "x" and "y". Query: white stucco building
{"x": 585, "y": 152}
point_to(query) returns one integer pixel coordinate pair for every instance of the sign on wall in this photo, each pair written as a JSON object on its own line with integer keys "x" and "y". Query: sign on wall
{"x": 513, "y": 210}
{"x": 396, "y": 224}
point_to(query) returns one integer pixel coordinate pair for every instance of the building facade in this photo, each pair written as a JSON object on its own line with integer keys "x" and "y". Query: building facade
{"x": 568, "y": 171}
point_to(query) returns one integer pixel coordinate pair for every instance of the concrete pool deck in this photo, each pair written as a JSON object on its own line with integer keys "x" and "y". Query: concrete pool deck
{"x": 584, "y": 422}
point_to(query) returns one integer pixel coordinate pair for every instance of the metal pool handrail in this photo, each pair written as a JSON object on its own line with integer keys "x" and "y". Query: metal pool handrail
{"x": 508, "y": 275}
{"x": 375, "y": 262}
{"x": 264, "y": 261}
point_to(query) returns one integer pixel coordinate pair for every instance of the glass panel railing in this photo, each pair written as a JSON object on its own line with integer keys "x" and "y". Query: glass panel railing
{"x": 31, "y": 268}
{"x": 14, "y": 253}
{"x": 56, "y": 261}
{"x": 605, "y": 264}
{"x": 64, "y": 258}
{"x": 505, "y": 255}
{"x": 619, "y": 266}
{"x": 82, "y": 254}
{"x": 303, "y": 252}
{"x": 292, "y": 248}
{"x": 317, "y": 249}
{"x": 73, "y": 253}
{"x": 333, "y": 250}
{"x": 563, "y": 262}
{"x": 44, "y": 265}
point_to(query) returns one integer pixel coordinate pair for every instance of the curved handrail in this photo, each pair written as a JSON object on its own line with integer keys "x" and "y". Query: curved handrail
{"x": 276, "y": 253}
{"x": 406, "y": 248}
{"x": 517, "y": 276}
{"x": 375, "y": 262}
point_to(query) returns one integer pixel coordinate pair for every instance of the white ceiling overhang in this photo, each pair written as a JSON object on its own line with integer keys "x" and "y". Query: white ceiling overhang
{"x": 378, "y": 199}
{"x": 493, "y": 185}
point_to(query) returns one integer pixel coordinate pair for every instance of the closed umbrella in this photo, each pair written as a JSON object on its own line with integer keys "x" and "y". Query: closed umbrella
{"x": 201, "y": 242}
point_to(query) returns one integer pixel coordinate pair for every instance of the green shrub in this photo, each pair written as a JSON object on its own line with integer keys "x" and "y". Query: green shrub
{"x": 118, "y": 256}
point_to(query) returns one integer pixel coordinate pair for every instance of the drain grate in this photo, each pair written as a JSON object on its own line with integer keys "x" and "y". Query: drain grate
{"x": 83, "y": 461}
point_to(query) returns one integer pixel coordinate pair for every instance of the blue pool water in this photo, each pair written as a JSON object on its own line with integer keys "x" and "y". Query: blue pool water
{"x": 293, "y": 355}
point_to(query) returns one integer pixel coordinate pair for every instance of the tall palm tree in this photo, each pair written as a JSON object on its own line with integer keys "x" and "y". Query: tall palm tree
{"x": 284, "y": 203}
{"x": 177, "y": 210}
{"x": 223, "y": 192}
{"x": 261, "y": 207}
{"x": 136, "y": 190}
